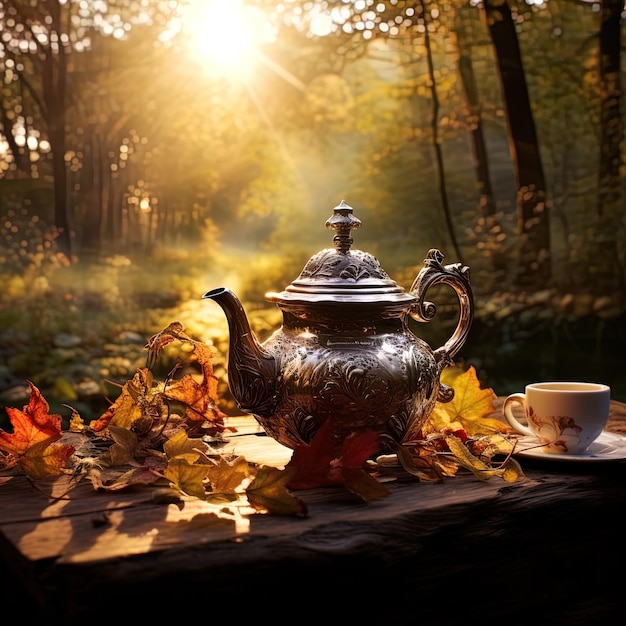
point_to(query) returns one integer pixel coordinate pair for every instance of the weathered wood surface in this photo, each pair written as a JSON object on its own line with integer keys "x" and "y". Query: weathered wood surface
{"x": 432, "y": 553}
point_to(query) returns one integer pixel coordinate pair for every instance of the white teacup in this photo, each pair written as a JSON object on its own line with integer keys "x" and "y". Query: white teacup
{"x": 565, "y": 417}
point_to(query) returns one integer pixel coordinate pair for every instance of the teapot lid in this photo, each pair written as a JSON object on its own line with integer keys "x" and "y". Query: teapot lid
{"x": 341, "y": 274}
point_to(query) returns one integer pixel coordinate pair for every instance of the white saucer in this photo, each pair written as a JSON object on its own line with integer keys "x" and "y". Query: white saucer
{"x": 607, "y": 447}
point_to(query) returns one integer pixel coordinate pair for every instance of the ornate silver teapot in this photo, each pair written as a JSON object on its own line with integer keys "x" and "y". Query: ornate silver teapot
{"x": 345, "y": 352}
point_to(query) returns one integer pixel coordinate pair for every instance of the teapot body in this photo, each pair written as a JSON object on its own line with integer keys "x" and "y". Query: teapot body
{"x": 344, "y": 352}
{"x": 361, "y": 374}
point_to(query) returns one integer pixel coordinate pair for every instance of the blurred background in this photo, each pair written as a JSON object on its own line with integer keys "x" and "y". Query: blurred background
{"x": 152, "y": 150}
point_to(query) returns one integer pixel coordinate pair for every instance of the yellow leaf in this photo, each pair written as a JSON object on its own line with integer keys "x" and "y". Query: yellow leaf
{"x": 139, "y": 398}
{"x": 468, "y": 408}
{"x": 359, "y": 482}
{"x": 450, "y": 374}
{"x": 180, "y": 445}
{"x": 77, "y": 425}
{"x": 226, "y": 476}
{"x": 187, "y": 477}
{"x": 510, "y": 471}
{"x": 121, "y": 452}
{"x": 43, "y": 460}
{"x": 466, "y": 458}
{"x": 268, "y": 492}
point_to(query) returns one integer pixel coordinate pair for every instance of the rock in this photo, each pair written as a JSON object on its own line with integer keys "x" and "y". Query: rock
{"x": 18, "y": 394}
{"x": 88, "y": 388}
{"x": 65, "y": 340}
{"x": 129, "y": 336}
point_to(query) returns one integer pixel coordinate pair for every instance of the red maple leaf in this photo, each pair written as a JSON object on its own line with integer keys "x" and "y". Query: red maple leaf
{"x": 34, "y": 432}
{"x": 312, "y": 462}
{"x": 322, "y": 463}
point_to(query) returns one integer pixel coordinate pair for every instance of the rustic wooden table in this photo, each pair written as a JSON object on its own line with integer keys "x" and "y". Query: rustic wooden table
{"x": 548, "y": 549}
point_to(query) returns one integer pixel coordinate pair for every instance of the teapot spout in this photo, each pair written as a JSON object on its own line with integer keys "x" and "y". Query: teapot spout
{"x": 252, "y": 370}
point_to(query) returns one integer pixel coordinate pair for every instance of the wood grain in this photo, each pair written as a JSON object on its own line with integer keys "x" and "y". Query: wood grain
{"x": 429, "y": 552}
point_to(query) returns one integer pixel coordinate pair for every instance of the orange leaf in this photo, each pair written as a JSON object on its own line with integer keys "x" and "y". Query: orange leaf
{"x": 32, "y": 425}
{"x": 34, "y": 432}
{"x": 199, "y": 398}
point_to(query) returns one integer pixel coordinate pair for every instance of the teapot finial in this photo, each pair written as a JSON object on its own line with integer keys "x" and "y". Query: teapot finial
{"x": 342, "y": 221}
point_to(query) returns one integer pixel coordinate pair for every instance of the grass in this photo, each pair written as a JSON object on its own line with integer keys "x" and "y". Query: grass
{"x": 71, "y": 329}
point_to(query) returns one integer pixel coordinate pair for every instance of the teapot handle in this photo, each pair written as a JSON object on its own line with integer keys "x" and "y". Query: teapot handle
{"x": 457, "y": 276}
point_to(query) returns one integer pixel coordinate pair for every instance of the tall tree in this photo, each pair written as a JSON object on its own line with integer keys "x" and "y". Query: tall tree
{"x": 533, "y": 220}
{"x": 612, "y": 125}
{"x": 610, "y": 276}
{"x": 39, "y": 56}
{"x": 36, "y": 43}
{"x": 488, "y": 221}
{"x": 466, "y": 38}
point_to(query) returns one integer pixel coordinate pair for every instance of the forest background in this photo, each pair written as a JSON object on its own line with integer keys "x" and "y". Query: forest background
{"x": 152, "y": 150}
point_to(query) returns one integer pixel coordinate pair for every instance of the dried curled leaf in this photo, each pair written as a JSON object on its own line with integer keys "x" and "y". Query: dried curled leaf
{"x": 509, "y": 471}
{"x": 140, "y": 397}
{"x": 458, "y": 434}
{"x": 156, "y": 343}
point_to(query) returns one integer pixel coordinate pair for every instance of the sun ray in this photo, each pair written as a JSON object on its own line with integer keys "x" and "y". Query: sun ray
{"x": 280, "y": 71}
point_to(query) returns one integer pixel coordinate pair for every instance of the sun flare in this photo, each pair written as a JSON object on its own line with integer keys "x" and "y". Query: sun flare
{"x": 223, "y": 36}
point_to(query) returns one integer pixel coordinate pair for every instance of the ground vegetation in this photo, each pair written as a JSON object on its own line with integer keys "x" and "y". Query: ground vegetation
{"x": 135, "y": 173}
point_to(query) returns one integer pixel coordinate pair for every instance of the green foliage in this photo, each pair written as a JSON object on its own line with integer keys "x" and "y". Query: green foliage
{"x": 180, "y": 181}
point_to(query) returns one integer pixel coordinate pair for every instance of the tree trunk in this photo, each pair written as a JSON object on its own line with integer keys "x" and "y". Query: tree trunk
{"x": 533, "y": 220}
{"x": 487, "y": 217}
{"x": 611, "y": 119}
{"x": 481, "y": 159}
{"x": 56, "y": 133}
{"x": 610, "y": 273}
{"x": 91, "y": 182}
{"x": 54, "y": 83}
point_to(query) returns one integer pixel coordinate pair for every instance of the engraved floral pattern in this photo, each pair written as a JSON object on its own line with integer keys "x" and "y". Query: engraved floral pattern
{"x": 385, "y": 382}
{"x": 352, "y": 266}
{"x": 551, "y": 429}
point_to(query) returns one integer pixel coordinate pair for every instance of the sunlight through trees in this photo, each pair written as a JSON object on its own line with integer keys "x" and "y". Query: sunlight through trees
{"x": 145, "y": 125}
